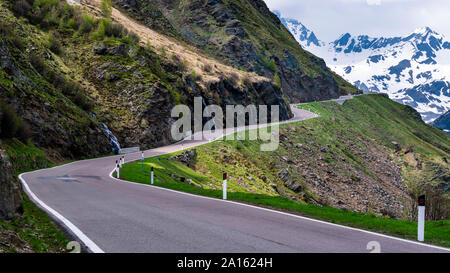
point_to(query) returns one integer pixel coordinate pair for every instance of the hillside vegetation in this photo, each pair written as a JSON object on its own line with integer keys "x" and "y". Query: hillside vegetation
{"x": 246, "y": 35}
{"x": 68, "y": 70}
{"x": 371, "y": 155}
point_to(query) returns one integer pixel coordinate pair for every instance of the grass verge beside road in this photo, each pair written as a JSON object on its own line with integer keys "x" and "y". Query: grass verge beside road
{"x": 437, "y": 232}
{"x": 375, "y": 119}
{"x": 34, "y": 231}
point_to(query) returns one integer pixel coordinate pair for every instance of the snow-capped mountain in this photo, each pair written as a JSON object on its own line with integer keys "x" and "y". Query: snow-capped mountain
{"x": 443, "y": 122}
{"x": 413, "y": 69}
{"x": 301, "y": 33}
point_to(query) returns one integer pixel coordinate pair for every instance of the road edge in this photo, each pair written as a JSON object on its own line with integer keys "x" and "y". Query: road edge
{"x": 64, "y": 222}
{"x": 280, "y": 212}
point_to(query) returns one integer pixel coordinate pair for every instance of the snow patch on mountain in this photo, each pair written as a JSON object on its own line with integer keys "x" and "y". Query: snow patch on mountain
{"x": 413, "y": 69}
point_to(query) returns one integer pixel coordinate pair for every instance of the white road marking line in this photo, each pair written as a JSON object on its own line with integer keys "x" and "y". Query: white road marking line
{"x": 284, "y": 213}
{"x": 275, "y": 211}
{"x": 96, "y": 249}
{"x": 78, "y": 233}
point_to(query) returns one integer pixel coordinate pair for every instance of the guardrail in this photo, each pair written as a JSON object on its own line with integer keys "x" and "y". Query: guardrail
{"x": 129, "y": 150}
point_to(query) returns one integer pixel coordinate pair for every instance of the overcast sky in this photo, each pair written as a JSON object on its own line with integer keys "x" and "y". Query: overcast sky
{"x": 331, "y": 18}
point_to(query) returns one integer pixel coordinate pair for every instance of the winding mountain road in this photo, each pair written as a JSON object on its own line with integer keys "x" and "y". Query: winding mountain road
{"x": 109, "y": 215}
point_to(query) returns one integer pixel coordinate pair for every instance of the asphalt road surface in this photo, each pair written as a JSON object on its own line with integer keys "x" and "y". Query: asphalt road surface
{"x": 109, "y": 215}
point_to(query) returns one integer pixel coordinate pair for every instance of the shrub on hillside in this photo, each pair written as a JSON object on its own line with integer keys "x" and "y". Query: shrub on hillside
{"x": 207, "y": 68}
{"x": 5, "y": 29}
{"x": 10, "y": 121}
{"x": 269, "y": 64}
{"x": 68, "y": 88}
{"x": 133, "y": 37}
{"x": 246, "y": 80}
{"x": 116, "y": 30}
{"x": 180, "y": 64}
{"x": 73, "y": 24}
{"x": 21, "y": 8}
{"x": 11, "y": 125}
{"x": 82, "y": 101}
{"x": 277, "y": 81}
{"x": 17, "y": 42}
{"x": 195, "y": 77}
{"x": 106, "y": 7}
{"x": 233, "y": 78}
{"x": 23, "y": 132}
{"x": 54, "y": 44}
{"x": 37, "y": 62}
{"x": 86, "y": 23}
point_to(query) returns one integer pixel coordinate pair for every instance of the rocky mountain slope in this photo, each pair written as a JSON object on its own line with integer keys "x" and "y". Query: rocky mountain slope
{"x": 443, "y": 122}
{"x": 110, "y": 69}
{"x": 10, "y": 197}
{"x": 80, "y": 78}
{"x": 76, "y": 78}
{"x": 245, "y": 35}
{"x": 369, "y": 155}
{"x": 413, "y": 69}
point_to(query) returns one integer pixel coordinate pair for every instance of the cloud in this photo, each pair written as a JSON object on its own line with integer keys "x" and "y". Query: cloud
{"x": 374, "y": 2}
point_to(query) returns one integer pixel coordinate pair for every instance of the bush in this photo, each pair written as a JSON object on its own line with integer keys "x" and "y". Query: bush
{"x": 107, "y": 29}
{"x": 269, "y": 64}
{"x": 82, "y": 101}
{"x": 21, "y": 8}
{"x": 233, "y": 78}
{"x": 38, "y": 18}
{"x": 74, "y": 92}
{"x": 54, "y": 16}
{"x": 11, "y": 125}
{"x": 101, "y": 29}
{"x": 73, "y": 24}
{"x": 23, "y": 132}
{"x": 17, "y": 42}
{"x": 207, "y": 68}
{"x": 37, "y": 63}
{"x": 277, "y": 81}
{"x": 5, "y": 29}
{"x": 133, "y": 37}
{"x": 195, "y": 77}
{"x": 54, "y": 44}
{"x": 59, "y": 82}
{"x": 106, "y": 7}
{"x": 116, "y": 30}
{"x": 246, "y": 80}
{"x": 10, "y": 121}
{"x": 86, "y": 23}
{"x": 181, "y": 65}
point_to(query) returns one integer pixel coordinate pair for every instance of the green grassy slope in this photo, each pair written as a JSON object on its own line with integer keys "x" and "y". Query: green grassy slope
{"x": 375, "y": 116}
{"x": 362, "y": 125}
{"x": 422, "y": 150}
{"x": 34, "y": 231}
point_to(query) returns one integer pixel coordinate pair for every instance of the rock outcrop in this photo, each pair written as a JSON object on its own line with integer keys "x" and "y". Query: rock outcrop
{"x": 246, "y": 35}
{"x": 10, "y": 197}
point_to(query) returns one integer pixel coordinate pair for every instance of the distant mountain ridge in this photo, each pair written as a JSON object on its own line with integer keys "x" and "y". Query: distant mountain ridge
{"x": 443, "y": 122}
{"x": 413, "y": 69}
{"x": 300, "y": 32}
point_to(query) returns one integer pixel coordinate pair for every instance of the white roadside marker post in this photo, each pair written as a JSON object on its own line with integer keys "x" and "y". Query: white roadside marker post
{"x": 142, "y": 166}
{"x": 421, "y": 219}
{"x": 120, "y": 162}
{"x": 224, "y": 186}
{"x": 151, "y": 176}
{"x": 117, "y": 169}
